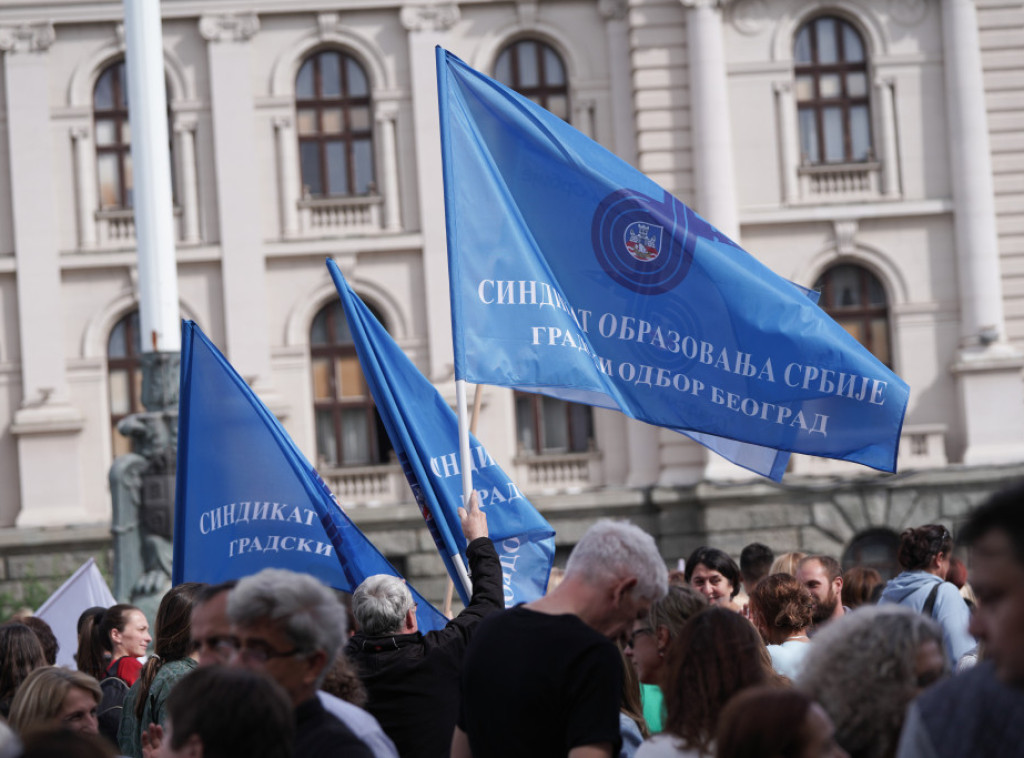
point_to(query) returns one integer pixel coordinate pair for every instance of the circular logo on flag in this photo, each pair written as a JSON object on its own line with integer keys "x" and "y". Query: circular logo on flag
{"x": 641, "y": 243}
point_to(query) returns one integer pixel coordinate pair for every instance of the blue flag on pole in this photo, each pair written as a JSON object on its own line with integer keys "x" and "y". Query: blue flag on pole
{"x": 424, "y": 432}
{"x": 247, "y": 498}
{"x": 574, "y": 275}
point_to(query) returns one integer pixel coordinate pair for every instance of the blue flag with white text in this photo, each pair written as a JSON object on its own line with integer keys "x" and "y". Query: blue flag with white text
{"x": 424, "y": 432}
{"x": 574, "y": 275}
{"x": 246, "y": 497}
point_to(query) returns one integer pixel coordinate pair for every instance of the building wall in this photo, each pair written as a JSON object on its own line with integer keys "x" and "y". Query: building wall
{"x": 253, "y": 277}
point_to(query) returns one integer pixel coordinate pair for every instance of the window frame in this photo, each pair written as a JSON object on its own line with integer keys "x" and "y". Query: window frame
{"x": 536, "y": 401}
{"x": 348, "y": 135}
{"x": 817, "y": 104}
{"x": 863, "y": 313}
{"x": 131, "y": 364}
{"x": 543, "y": 92}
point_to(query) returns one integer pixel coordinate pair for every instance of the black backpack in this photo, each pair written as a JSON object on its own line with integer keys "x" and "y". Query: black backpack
{"x": 108, "y": 712}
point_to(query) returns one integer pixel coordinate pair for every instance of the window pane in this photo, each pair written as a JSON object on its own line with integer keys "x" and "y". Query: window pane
{"x": 802, "y": 48}
{"x": 106, "y": 132}
{"x": 326, "y": 443}
{"x": 318, "y": 332}
{"x": 860, "y": 133}
{"x": 129, "y": 182}
{"x": 322, "y": 379}
{"x": 126, "y": 133}
{"x": 351, "y": 383}
{"x": 330, "y": 74}
{"x": 120, "y": 400}
{"x": 354, "y": 437}
{"x": 362, "y": 155}
{"x": 309, "y": 157}
{"x": 559, "y": 105}
{"x": 846, "y": 286}
{"x": 580, "y": 427}
{"x": 808, "y": 137}
{"x": 853, "y": 48}
{"x": 825, "y": 29}
{"x": 332, "y": 120}
{"x": 554, "y": 72}
{"x": 116, "y": 345}
{"x": 503, "y": 67}
{"x": 304, "y": 81}
{"x": 529, "y": 76}
{"x": 359, "y": 119}
{"x": 804, "y": 88}
{"x": 122, "y": 445}
{"x": 342, "y": 334}
{"x": 337, "y": 169}
{"x": 833, "y": 123}
{"x": 829, "y": 85}
{"x": 524, "y": 423}
{"x": 136, "y": 378}
{"x": 853, "y": 326}
{"x": 103, "y": 95}
{"x": 856, "y": 84}
{"x": 306, "y": 120}
{"x": 357, "y": 84}
{"x": 876, "y": 294}
{"x": 554, "y": 417}
{"x": 880, "y": 339}
{"x": 110, "y": 181}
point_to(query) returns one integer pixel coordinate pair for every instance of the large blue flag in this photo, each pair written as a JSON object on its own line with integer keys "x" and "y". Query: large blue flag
{"x": 424, "y": 432}
{"x": 247, "y": 498}
{"x": 574, "y": 275}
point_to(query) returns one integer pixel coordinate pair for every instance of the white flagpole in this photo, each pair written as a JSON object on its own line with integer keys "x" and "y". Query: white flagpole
{"x": 466, "y": 466}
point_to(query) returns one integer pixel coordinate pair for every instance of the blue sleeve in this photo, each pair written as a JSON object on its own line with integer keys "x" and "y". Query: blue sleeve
{"x": 952, "y": 613}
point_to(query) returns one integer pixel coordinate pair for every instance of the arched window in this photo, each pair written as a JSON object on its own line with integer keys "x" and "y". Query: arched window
{"x": 832, "y": 93}
{"x": 855, "y": 298}
{"x": 535, "y": 70}
{"x": 547, "y": 426}
{"x": 113, "y": 138}
{"x": 349, "y": 431}
{"x": 335, "y": 126}
{"x": 124, "y": 376}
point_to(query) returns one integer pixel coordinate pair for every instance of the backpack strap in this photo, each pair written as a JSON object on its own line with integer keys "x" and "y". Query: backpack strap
{"x": 929, "y": 604}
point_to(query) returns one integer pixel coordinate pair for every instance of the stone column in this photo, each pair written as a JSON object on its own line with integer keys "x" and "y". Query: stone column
{"x": 228, "y": 37}
{"x": 988, "y": 368}
{"x": 888, "y": 153}
{"x": 789, "y": 145}
{"x": 426, "y": 26}
{"x": 616, "y": 24}
{"x": 287, "y": 175}
{"x": 45, "y": 425}
{"x": 387, "y": 115}
{"x": 85, "y": 186}
{"x": 185, "y": 128}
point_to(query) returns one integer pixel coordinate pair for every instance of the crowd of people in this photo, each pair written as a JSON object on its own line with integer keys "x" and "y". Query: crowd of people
{"x": 778, "y": 656}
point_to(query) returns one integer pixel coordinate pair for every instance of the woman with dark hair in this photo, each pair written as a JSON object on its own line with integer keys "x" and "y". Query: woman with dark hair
{"x": 782, "y": 610}
{"x": 715, "y": 575}
{"x": 174, "y": 657}
{"x": 924, "y": 555}
{"x": 111, "y": 640}
{"x": 20, "y": 655}
{"x": 769, "y": 722}
{"x": 716, "y": 654}
{"x": 861, "y": 586}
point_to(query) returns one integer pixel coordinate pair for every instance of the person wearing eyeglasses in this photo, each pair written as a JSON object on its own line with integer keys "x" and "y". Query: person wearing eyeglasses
{"x": 290, "y": 627}
{"x": 924, "y": 555}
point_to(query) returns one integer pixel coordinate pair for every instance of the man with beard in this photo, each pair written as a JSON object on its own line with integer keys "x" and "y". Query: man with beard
{"x": 823, "y": 576}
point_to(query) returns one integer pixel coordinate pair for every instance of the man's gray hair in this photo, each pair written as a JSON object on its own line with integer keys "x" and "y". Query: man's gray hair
{"x": 380, "y": 604}
{"x": 305, "y": 610}
{"x": 862, "y": 668}
{"x": 612, "y": 550}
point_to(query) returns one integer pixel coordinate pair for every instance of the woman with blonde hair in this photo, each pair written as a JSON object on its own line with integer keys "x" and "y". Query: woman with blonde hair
{"x": 787, "y": 563}
{"x": 56, "y": 696}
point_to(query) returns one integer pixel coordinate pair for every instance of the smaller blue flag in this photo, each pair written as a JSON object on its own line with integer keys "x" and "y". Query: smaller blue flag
{"x": 247, "y": 499}
{"x": 424, "y": 432}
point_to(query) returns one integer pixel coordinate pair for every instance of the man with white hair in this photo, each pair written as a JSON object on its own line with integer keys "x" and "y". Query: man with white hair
{"x": 544, "y": 679}
{"x": 290, "y": 627}
{"x": 412, "y": 679}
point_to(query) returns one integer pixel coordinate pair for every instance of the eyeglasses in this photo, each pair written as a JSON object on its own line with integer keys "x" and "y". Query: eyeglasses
{"x": 631, "y": 639}
{"x": 256, "y": 651}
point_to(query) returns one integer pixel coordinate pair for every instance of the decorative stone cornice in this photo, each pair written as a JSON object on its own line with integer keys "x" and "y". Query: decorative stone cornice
{"x": 229, "y": 27}
{"x": 27, "y": 38}
{"x": 430, "y": 17}
{"x": 386, "y": 110}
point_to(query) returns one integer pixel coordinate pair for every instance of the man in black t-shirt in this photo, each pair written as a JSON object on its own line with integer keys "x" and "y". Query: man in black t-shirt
{"x": 544, "y": 679}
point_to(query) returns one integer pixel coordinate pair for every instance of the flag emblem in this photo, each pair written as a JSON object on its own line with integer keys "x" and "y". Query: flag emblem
{"x": 643, "y": 241}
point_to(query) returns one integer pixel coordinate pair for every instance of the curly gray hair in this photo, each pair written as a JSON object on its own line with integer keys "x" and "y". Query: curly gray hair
{"x": 862, "y": 669}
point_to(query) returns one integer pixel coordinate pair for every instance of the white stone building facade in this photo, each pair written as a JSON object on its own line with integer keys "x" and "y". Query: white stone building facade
{"x": 874, "y": 145}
